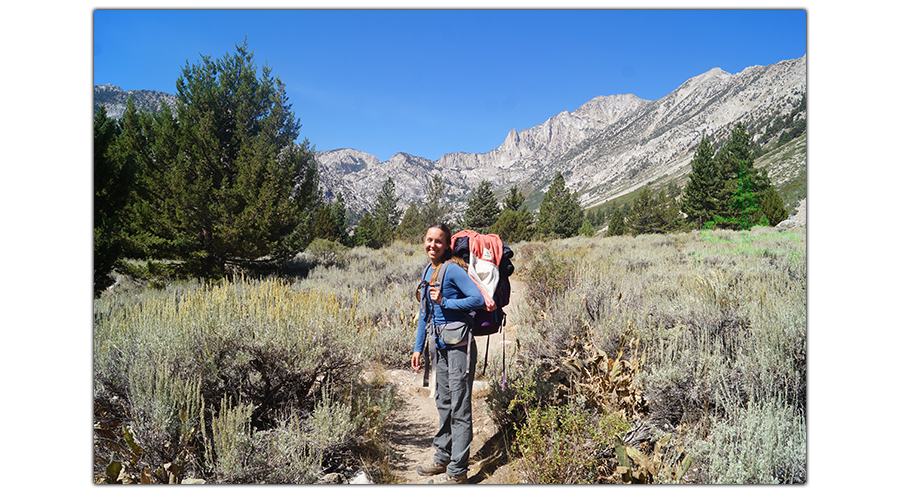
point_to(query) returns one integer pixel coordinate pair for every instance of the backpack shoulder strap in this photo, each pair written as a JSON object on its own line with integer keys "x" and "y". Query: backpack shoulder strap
{"x": 437, "y": 279}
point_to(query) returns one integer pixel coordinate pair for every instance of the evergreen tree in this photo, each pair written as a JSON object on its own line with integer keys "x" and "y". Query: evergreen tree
{"x": 323, "y": 226}
{"x": 616, "y": 224}
{"x": 646, "y": 214}
{"x": 595, "y": 217}
{"x": 515, "y": 221}
{"x": 113, "y": 179}
{"x": 514, "y": 200}
{"x": 667, "y": 210}
{"x": 513, "y": 225}
{"x": 411, "y": 227}
{"x": 560, "y": 215}
{"x": 436, "y": 208}
{"x": 482, "y": 211}
{"x": 587, "y": 229}
{"x": 773, "y": 206}
{"x": 744, "y": 185}
{"x": 701, "y": 200}
{"x": 365, "y": 233}
{"x": 330, "y": 221}
{"x": 338, "y": 212}
{"x": 386, "y": 214}
{"x": 224, "y": 183}
{"x": 673, "y": 191}
{"x": 744, "y": 208}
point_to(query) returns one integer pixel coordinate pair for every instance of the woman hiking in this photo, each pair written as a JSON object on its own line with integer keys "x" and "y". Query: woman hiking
{"x": 445, "y": 320}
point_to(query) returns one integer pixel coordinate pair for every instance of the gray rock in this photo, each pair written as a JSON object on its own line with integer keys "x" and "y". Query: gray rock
{"x": 361, "y": 477}
{"x": 610, "y": 145}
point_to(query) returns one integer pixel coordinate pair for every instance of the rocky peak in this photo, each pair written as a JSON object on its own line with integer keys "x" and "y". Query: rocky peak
{"x": 115, "y": 99}
{"x": 609, "y": 146}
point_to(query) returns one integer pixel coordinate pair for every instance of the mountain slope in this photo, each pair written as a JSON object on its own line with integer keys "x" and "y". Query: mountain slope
{"x": 115, "y": 99}
{"x": 609, "y": 146}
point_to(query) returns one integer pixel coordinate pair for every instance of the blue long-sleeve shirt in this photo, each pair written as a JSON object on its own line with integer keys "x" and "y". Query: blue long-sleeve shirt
{"x": 460, "y": 297}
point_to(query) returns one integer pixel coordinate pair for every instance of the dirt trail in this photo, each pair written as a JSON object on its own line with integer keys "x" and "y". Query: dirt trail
{"x": 414, "y": 424}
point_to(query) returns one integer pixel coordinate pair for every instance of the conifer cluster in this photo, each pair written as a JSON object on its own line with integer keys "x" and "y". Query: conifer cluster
{"x": 220, "y": 181}
{"x": 725, "y": 189}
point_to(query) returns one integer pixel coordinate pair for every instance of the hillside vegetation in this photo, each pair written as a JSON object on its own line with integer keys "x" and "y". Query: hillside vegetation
{"x": 657, "y": 358}
{"x": 695, "y": 341}
{"x": 252, "y": 379}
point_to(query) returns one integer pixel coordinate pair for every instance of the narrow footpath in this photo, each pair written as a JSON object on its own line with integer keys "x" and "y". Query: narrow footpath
{"x": 415, "y": 423}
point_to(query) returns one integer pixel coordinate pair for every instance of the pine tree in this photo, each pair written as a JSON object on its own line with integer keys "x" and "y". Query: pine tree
{"x": 744, "y": 184}
{"x": 113, "y": 179}
{"x": 646, "y": 214}
{"x": 701, "y": 200}
{"x": 514, "y": 200}
{"x": 587, "y": 229}
{"x": 386, "y": 214}
{"x": 667, "y": 210}
{"x": 616, "y": 224}
{"x": 773, "y": 207}
{"x": 436, "y": 209}
{"x": 737, "y": 153}
{"x": 224, "y": 183}
{"x": 595, "y": 216}
{"x": 513, "y": 225}
{"x": 323, "y": 226}
{"x": 338, "y": 212}
{"x": 744, "y": 208}
{"x": 365, "y": 232}
{"x": 412, "y": 227}
{"x": 482, "y": 211}
{"x": 515, "y": 221}
{"x": 561, "y": 214}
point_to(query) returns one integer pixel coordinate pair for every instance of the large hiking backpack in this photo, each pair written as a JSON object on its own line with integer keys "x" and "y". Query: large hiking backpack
{"x": 490, "y": 266}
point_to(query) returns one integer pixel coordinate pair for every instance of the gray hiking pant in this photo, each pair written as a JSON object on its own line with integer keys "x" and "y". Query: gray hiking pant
{"x": 453, "y": 397}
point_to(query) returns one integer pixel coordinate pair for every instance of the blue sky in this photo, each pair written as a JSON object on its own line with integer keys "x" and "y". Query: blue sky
{"x": 430, "y": 82}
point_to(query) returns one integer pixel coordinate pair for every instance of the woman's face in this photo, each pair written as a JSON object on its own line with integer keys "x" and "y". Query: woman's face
{"x": 435, "y": 244}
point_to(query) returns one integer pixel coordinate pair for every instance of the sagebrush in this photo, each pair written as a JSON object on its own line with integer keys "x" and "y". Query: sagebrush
{"x": 716, "y": 322}
{"x": 233, "y": 377}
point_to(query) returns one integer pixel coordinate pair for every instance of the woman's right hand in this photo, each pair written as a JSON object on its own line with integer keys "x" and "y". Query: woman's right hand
{"x": 415, "y": 361}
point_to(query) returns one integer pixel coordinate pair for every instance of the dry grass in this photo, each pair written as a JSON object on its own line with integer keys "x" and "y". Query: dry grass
{"x": 233, "y": 378}
{"x": 719, "y": 319}
{"x": 257, "y": 380}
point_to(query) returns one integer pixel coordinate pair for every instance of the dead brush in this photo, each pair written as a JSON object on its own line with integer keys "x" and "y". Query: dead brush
{"x": 636, "y": 466}
{"x": 604, "y": 382}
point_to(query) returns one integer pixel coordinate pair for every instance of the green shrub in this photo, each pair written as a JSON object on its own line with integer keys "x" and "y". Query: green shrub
{"x": 286, "y": 454}
{"x": 548, "y": 278}
{"x": 327, "y": 252}
{"x": 231, "y": 437}
{"x": 166, "y": 407}
{"x": 563, "y": 445}
{"x": 331, "y": 423}
{"x": 760, "y": 443}
{"x": 509, "y": 404}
